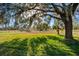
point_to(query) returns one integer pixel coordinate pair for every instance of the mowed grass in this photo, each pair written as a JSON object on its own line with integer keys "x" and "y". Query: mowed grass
{"x": 41, "y": 44}
{"x": 10, "y": 35}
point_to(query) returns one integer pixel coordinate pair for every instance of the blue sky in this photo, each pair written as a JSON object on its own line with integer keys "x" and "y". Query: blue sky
{"x": 77, "y": 16}
{"x": 51, "y": 22}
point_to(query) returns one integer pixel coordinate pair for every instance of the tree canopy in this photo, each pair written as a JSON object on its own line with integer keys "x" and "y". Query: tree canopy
{"x": 27, "y": 14}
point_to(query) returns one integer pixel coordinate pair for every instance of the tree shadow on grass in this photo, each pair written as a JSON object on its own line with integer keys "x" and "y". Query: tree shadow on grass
{"x": 55, "y": 38}
{"x": 13, "y": 48}
{"x": 74, "y": 45}
{"x": 54, "y": 51}
{"x": 39, "y": 46}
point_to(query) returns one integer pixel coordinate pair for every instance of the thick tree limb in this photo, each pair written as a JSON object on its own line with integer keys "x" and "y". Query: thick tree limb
{"x": 74, "y": 7}
{"x": 53, "y": 16}
{"x": 56, "y": 9}
{"x": 44, "y": 10}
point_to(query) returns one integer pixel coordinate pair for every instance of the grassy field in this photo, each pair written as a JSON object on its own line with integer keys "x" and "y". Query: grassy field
{"x": 17, "y": 43}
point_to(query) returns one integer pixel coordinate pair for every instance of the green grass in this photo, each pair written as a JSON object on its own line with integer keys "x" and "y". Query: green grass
{"x": 22, "y": 44}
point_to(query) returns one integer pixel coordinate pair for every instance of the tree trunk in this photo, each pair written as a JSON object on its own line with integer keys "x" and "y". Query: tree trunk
{"x": 30, "y": 23}
{"x": 68, "y": 28}
{"x": 58, "y": 30}
{"x": 57, "y": 27}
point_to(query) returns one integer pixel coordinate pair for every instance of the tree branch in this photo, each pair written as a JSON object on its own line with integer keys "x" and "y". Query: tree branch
{"x": 74, "y": 7}
{"x": 53, "y": 16}
{"x": 44, "y": 10}
{"x": 56, "y": 9}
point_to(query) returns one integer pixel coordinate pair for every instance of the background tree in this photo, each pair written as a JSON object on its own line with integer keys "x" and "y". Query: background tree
{"x": 42, "y": 27}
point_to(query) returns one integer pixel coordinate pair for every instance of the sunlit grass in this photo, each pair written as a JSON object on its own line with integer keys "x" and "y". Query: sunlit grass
{"x": 41, "y": 44}
{"x": 6, "y": 35}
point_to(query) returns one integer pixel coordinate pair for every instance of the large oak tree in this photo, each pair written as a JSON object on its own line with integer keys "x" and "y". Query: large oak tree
{"x": 60, "y": 11}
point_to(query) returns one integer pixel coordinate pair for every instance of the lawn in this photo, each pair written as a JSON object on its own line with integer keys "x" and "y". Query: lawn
{"x": 31, "y": 44}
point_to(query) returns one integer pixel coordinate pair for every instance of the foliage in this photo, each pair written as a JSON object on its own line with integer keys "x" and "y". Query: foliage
{"x": 59, "y": 24}
{"x": 32, "y": 12}
{"x": 42, "y": 27}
